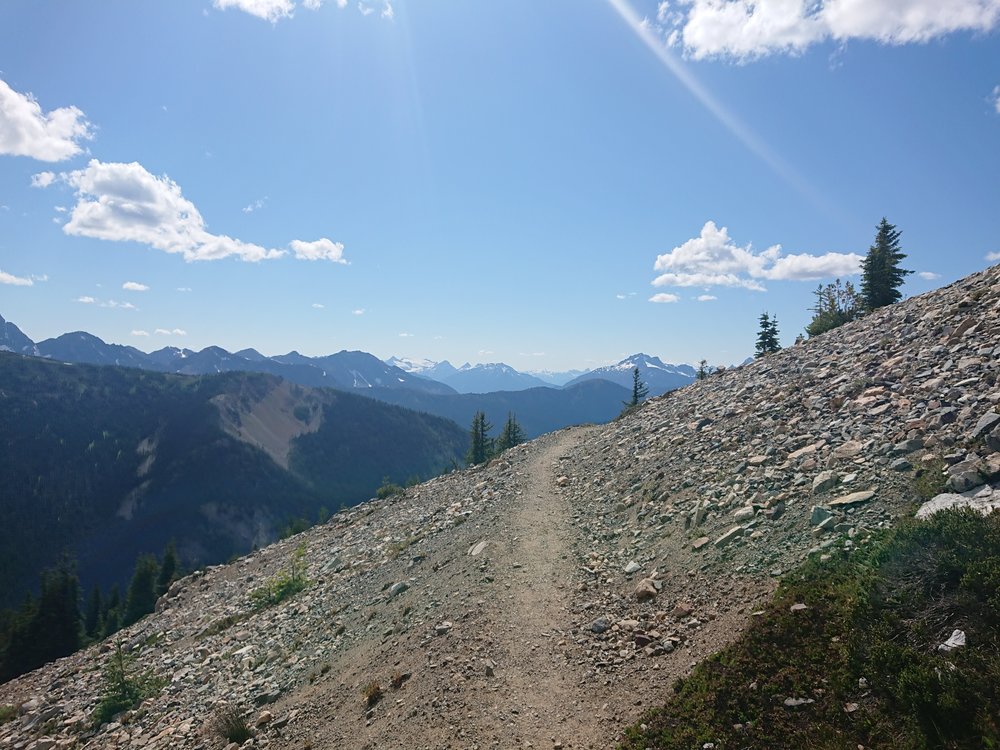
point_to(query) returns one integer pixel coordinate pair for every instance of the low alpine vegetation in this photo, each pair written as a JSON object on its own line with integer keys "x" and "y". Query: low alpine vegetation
{"x": 228, "y": 724}
{"x": 859, "y": 651}
{"x": 285, "y": 584}
{"x": 124, "y": 686}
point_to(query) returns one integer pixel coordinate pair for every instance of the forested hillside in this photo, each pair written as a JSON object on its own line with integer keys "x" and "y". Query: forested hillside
{"x": 107, "y": 463}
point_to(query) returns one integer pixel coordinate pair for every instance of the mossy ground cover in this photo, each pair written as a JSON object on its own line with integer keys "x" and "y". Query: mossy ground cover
{"x": 864, "y": 651}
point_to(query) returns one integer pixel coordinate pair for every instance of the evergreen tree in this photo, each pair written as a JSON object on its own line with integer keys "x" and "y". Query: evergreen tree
{"x": 639, "y": 389}
{"x": 481, "y": 444}
{"x": 92, "y": 615}
{"x": 835, "y": 305}
{"x": 703, "y": 370}
{"x": 168, "y": 569}
{"x": 111, "y": 619}
{"x": 141, "y": 597}
{"x": 767, "y": 336}
{"x": 511, "y": 435}
{"x": 47, "y": 629}
{"x": 881, "y": 273}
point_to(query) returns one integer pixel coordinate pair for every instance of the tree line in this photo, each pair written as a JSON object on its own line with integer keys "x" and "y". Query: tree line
{"x": 482, "y": 447}
{"x": 54, "y": 624}
{"x": 836, "y": 303}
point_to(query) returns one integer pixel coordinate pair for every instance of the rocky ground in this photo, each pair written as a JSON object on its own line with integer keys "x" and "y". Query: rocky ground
{"x": 545, "y": 600}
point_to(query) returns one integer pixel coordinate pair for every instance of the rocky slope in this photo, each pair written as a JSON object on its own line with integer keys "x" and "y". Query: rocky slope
{"x": 544, "y": 600}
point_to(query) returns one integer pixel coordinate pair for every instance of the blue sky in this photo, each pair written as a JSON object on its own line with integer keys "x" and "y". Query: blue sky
{"x": 483, "y": 181}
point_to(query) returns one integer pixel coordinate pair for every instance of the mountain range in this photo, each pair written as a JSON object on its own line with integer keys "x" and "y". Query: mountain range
{"x": 434, "y": 387}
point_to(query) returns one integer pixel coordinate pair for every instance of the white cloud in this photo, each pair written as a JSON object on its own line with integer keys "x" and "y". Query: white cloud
{"x": 183, "y": 289}
{"x": 170, "y": 332}
{"x": 122, "y": 305}
{"x": 358, "y": 311}
{"x": 406, "y": 335}
{"x": 269, "y": 10}
{"x": 706, "y": 297}
{"x": 321, "y": 249}
{"x": 621, "y": 296}
{"x": 929, "y": 275}
{"x": 86, "y": 300}
{"x": 135, "y": 286}
{"x": 25, "y": 130}
{"x": 387, "y": 12}
{"x": 140, "y": 333}
{"x": 316, "y": 4}
{"x": 12, "y": 280}
{"x": 257, "y": 205}
{"x": 124, "y": 202}
{"x": 318, "y": 306}
{"x": 713, "y": 259}
{"x": 996, "y": 99}
{"x": 664, "y": 298}
{"x": 992, "y": 256}
{"x": 42, "y": 277}
{"x": 744, "y": 30}
{"x": 43, "y": 179}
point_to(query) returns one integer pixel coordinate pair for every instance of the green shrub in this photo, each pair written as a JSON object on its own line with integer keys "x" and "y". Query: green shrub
{"x": 124, "y": 687}
{"x": 228, "y": 724}
{"x": 879, "y": 614}
{"x": 388, "y": 489}
{"x": 930, "y": 480}
{"x": 7, "y": 713}
{"x": 285, "y": 584}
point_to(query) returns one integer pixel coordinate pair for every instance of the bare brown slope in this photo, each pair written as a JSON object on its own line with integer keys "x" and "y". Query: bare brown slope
{"x": 271, "y": 418}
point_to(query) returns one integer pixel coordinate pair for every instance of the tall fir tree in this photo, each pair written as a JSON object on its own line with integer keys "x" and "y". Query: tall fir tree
{"x": 480, "y": 443}
{"x": 881, "y": 274}
{"x": 46, "y": 629}
{"x": 639, "y": 388}
{"x": 767, "y": 336}
{"x": 511, "y": 434}
{"x": 92, "y": 614}
{"x": 168, "y": 569}
{"x": 141, "y": 597}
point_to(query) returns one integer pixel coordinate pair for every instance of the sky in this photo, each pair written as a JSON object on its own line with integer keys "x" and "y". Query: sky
{"x": 552, "y": 184}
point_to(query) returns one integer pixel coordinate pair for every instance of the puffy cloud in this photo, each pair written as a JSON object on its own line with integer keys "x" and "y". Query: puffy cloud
{"x": 140, "y": 333}
{"x": 43, "y": 179}
{"x": 170, "y": 332}
{"x": 664, "y": 298}
{"x": 318, "y": 306}
{"x": 929, "y": 275}
{"x": 406, "y": 335}
{"x": 992, "y": 257}
{"x": 706, "y": 297}
{"x": 25, "y": 130}
{"x": 713, "y": 259}
{"x": 996, "y": 99}
{"x": 12, "y": 280}
{"x": 387, "y": 11}
{"x": 269, "y": 10}
{"x": 748, "y": 29}
{"x": 135, "y": 286}
{"x": 321, "y": 249}
{"x": 183, "y": 289}
{"x": 358, "y": 311}
{"x": 86, "y": 300}
{"x": 124, "y": 202}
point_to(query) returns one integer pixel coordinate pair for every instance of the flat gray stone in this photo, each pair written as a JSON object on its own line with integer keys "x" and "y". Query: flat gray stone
{"x": 734, "y": 533}
{"x": 853, "y": 499}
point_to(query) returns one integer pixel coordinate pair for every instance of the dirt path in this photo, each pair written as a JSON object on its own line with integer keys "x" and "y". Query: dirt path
{"x": 556, "y": 710}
